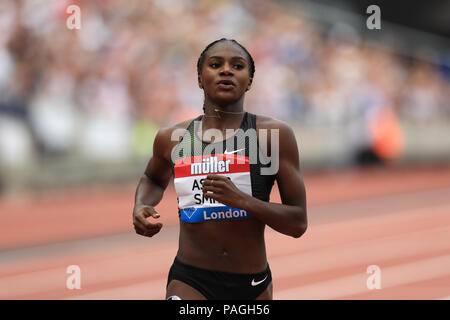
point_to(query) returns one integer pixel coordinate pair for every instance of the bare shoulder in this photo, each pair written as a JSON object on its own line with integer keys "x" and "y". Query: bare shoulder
{"x": 165, "y": 135}
{"x": 166, "y": 132}
{"x": 265, "y": 122}
{"x": 168, "y": 137}
{"x": 285, "y": 136}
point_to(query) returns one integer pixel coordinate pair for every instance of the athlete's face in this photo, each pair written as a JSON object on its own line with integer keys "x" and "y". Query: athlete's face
{"x": 225, "y": 73}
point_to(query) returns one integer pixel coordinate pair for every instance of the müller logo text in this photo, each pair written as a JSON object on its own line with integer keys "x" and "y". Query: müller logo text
{"x": 210, "y": 165}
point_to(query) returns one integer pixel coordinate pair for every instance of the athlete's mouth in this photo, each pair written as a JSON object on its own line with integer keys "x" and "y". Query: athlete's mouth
{"x": 226, "y": 84}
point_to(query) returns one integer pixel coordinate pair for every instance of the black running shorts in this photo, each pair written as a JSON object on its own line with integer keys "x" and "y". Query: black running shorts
{"x": 217, "y": 285}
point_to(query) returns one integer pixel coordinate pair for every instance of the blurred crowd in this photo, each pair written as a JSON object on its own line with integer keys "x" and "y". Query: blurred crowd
{"x": 102, "y": 90}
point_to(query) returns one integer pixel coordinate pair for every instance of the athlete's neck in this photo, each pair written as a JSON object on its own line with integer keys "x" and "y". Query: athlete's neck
{"x": 224, "y": 112}
{"x": 222, "y": 117}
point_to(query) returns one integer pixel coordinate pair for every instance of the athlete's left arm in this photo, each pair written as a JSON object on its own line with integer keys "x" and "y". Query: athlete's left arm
{"x": 289, "y": 217}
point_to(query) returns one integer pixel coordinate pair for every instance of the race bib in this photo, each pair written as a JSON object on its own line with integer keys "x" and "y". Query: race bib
{"x": 188, "y": 180}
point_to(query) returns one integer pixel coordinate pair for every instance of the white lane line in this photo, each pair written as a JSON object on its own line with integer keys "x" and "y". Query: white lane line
{"x": 149, "y": 290}
{"x": 373, "y": 251}
{"x": 92, "y": 273}
{"x": 390, "y": 277}
{"x": 336, "y": 233}
{"x": 97, "y": 247}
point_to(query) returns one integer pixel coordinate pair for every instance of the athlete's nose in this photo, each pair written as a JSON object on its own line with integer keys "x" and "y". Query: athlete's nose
{"x": 226, "y": 69}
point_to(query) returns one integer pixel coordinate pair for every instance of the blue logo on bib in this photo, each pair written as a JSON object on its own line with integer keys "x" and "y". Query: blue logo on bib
{"x": 202, "y": 214}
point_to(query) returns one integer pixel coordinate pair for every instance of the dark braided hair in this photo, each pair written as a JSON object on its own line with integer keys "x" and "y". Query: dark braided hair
{"x": 202, "y": 56}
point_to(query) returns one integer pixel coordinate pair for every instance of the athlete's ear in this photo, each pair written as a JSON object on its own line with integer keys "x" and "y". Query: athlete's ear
{"x": 200, "y": 83}
{"x": 249, "y": 84}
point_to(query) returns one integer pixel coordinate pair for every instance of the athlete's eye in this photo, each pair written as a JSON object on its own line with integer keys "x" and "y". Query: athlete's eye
{"x": 214, "y": 65}
{"x": 239, "y": 66}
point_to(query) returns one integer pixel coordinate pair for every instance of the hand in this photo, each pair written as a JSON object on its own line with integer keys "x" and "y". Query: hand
{"x": 141, "y": 225}
{"x": 223, "y": 190}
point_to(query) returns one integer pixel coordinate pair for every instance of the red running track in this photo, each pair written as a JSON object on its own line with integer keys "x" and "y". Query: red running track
{"x": 395, "y": 218}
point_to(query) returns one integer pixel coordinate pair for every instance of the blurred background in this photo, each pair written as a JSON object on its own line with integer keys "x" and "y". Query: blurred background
{"x": 79, "y": 110}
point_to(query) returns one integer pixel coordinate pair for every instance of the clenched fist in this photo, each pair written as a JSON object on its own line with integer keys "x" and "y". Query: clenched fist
{"x": 141, "y": 225}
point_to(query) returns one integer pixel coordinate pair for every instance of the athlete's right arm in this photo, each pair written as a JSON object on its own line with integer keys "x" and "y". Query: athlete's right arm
{"x": 151, "y": 186}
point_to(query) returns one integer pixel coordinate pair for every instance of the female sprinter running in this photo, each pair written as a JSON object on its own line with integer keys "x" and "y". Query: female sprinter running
{"x": 223, "y": 185}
